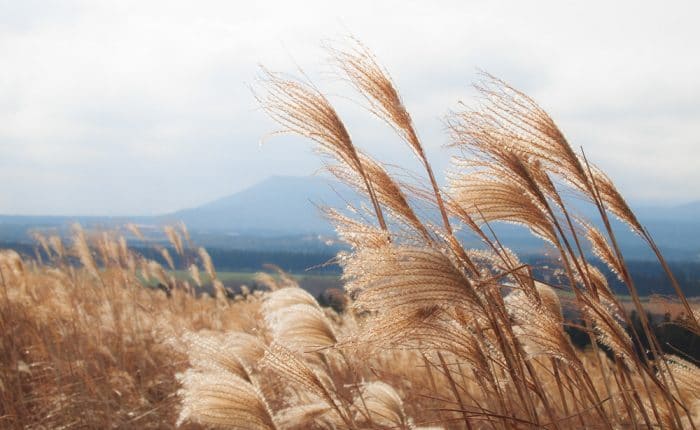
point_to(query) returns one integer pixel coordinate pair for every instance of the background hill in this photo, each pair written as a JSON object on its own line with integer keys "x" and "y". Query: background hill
{"x": 281, "y": 213}
{"x": 277, "y": 205}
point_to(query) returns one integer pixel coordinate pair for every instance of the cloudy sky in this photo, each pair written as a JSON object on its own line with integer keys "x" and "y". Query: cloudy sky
{"x": 143, "y": 107}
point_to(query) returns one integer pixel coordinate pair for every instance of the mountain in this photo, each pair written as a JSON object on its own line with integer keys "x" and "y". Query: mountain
{"x": 688, "y": 212}
{"x": 282, "y": 212}
{"x": 277, "y": 205}
{"x": 283, "y": 206}
{"x": 676, "y": 229}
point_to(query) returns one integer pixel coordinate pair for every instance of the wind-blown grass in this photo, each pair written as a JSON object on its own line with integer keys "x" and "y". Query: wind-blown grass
{"x": 434, "y": 335}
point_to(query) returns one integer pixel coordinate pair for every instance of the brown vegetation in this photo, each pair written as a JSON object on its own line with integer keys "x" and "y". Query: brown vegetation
{"x": 432, "y": 334}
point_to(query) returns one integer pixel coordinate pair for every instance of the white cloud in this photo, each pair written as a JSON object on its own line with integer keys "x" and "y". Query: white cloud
{"x": 142, "y": 107}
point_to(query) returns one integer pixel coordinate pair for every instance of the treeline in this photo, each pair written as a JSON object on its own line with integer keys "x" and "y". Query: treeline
{"x": 252, "y": 261}
{"x": 648, "y": 275}
{"x": 223, "y": 259}
{"x": 672, "y": 335}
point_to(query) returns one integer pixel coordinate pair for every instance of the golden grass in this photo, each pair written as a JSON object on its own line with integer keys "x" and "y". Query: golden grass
{"x": 435, "y": 335}
{"x": 89, "y": 347}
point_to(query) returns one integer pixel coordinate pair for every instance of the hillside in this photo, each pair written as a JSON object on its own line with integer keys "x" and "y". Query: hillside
{"x": 277, "y": 205}
{"x": 282, "y": 213}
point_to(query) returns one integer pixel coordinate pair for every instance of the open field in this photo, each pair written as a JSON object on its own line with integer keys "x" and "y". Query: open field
{"x": 313, "y": 283}
{"x": 426, "y": 333}
{"x": 320, "y": 286}
{"x": 99, "y": 349}
{"x": 316, "y": 284}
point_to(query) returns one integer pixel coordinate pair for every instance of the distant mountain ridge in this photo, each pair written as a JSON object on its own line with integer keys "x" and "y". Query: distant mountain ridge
{"x": 279, "y": 204}
{"x": 286, "y": 207}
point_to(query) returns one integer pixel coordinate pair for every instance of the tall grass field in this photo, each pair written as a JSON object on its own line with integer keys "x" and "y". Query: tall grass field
{"x": 427, "y": 333}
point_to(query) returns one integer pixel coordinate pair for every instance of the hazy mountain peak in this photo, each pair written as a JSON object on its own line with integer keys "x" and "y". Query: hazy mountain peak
{"x": 275, "y": 205}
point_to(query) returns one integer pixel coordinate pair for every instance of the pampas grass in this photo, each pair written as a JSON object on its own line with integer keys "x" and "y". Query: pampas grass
{"x": 223, "y": 402}
{"x": 436, "y": 335}
{"x": 490, "y": 336}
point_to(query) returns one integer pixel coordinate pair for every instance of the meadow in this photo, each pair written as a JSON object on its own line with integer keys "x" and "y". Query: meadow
{"x": 431, "y": 334}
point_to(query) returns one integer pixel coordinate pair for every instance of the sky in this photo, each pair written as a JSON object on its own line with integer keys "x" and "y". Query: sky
{"x": 144, "y": 107}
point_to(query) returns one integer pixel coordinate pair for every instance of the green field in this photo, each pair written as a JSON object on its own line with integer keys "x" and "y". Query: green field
{"x": 313, "y": 283}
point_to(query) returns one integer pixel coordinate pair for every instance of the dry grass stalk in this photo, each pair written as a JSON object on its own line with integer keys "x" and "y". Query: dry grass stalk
{"x": 457, "y": 337}
{"x": 300, "y": 108}
{"x": 223, "y": 402}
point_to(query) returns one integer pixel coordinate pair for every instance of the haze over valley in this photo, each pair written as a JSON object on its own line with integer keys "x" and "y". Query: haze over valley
{"x": 283, "y": 213}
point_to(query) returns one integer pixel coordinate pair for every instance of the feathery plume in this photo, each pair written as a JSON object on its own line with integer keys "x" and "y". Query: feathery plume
{"x": 174, "y": 239}
{"x": 194, "y": 274}
{"x": 285, "y": 297}
{"x": 266, "y": 280}
{"x": 284, "y": 279}
{"x": 686, "y": 376}
{"x": 303, "y": 110}
{"x": 403, "y": 277}
{"x": 537, "y": 322}
{"x": 387, "y": 190}
{"x": 614, "y": 202}
{"x": 301, "y": 327}
{"x": 223, "y": 401}
{"x": 183, "y": 230}
{"x": 289, "y": 366}
{"x": 384, "y": 405}
{"x": 364, "y": 72}
{"x": 167, "y": 257}
{"x": 355, "y": 233}
{"x": 57, "y": 245}
{"x": 301, "y": 416}
{"x": 361, "y": 68}
{"x": 510, "y": 118}
{"x": 156, "y": 271}
{"x": 488, "y": 199}
{"x": 602, "y": 250}
{"x": 82, "y": 249}
{"x": 607, "y": 327}
{"x": 207, "y": 263}
{"x": 43, "y": 242}
{"x": 133, "y": 228}
{"x": 235, "y": 353}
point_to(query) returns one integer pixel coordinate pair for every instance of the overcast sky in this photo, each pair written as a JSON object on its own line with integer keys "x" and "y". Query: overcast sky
{"x": 143, "y": 107}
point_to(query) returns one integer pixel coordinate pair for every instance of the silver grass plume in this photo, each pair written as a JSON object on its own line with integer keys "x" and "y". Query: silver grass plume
{"x": 293, "y": 369}
{"x": 300, "y": 416}
{"x": 489, "y": 197}
{"x": 56, "y": 244}
{"x": 223, "y": 400}
{"x": 356, "y": 233}
{"x": 174, "y": 239}
{"x": 167, "y": 257}
{"x": 686, "y": 376}
{"x": 285, "y": 297}
{"x": 508, "y": 117}
{"x": 302, "y": 109}
{"x": 133, "y": 228}
{"x": 194, "y": 274}
{"x": 601, "y": 248}
{"x": 388, "y": 192}
{"x": 537, "y": 323}
{"x": 301, "y": 327}
{"x": 607, "y": 326}
{"x": 82, "y": 250}
{"x": 403, "y": 277}
{"x": 234, "y": 353}
{"x": 384, "y": 405}
{"x": 207, "y": 263}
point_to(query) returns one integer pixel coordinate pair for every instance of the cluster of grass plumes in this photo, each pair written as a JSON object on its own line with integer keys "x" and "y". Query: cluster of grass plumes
{"x": 433, "y": 334}
{"x": 86, "y": 336}
{"x": 438, "y": 334}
